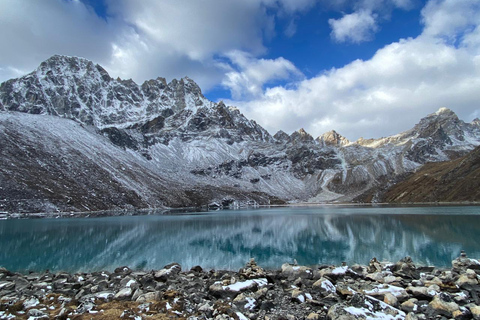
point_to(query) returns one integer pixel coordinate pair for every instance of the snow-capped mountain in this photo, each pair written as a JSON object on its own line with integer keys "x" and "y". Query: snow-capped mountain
{"x": 171, "y": 132}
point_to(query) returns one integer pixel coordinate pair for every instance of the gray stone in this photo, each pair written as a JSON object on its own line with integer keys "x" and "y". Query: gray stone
{"x": 123, "y": 294}
{"x": 37, "y": 314}
{"x": 475, "y": 312}
{"x": 295, "y": 272}
{"x": 324, "y": 286}
{"x": 443, "y": 305}
{"x": 409, "y": 305}
{"x": 168, "y": 272}
{"x": 7, "y": 285}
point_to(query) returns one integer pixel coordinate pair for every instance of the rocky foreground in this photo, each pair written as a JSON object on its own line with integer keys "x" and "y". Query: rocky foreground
{"x": 380, "y": 290}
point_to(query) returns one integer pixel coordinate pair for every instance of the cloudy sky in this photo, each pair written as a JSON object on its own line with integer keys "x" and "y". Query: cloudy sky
{"x": 366, "y": 68}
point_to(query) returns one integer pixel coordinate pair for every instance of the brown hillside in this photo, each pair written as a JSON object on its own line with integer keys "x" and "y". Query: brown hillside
{"x": 450, "y": 181}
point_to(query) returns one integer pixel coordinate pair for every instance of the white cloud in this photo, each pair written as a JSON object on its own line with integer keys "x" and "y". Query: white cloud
{"x": 355, "y": 27}
{"x": 220, "y": 42}
{"x": 390, "y": 92}
{"x": 140, "y": 39}
{"x": 32, "y": 31}
{"x": 251, "y": 74}
{"x": 450, "y": 18}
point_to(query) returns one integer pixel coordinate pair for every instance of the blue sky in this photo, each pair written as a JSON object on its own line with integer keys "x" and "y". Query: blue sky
{"x": 367, "y": 68}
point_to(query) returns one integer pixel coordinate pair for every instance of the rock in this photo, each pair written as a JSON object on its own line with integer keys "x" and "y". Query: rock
{"x": 294, "y": 271}
{"x": 421, "y": 293}
{"x": 443, "y": 305}
{"x": 30, "y": 303}
{"x": 411, "y": 316}
{"x": 376, "y": 276}
{"x": 129, "y": 282}
{"x": 389, "y": 279}
{"x": 298, "y": 295}
{"x": 124, "y": 294}
{"x": 196, "y": 269}
{"x": 364, "y": 307}
{"x": 344, "y": 289}
{"x": 7, "y": 285}
{"x": 147, "y": 297}
{"x": 37, "y": 314}
{"x": 313, "y": 316}
{"x": 168, "y": 271}
{"x": 218, "y": 289}
{"x": 390, "y": 299}
{"x": 462, "y": 314}
{"x": 381, "y": 290}
{"x": 475, "y": 312}
{"x": 85, "y": 307}
{"x": 246, "y": 302}
{"x": 409, "y": 305}
{"x": 324, "y": 286}
{"x": 252, "y": 270}
{"x": 374, "y": 266}
{"x": 123, "y": 270}
{"x": 406, "y": 269}
{"x": 468, "y": 278}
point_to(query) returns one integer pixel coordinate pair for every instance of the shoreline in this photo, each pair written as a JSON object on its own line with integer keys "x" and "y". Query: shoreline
{"x": 379, "y": 290}
{"x": 166, "y": 211}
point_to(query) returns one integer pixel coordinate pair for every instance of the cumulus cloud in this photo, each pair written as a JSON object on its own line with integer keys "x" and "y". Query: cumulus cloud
{"x": 450, "y": 19}
{"x": 355, "y": 27}
{"x": 139, "y": 39}
{"x": 218, "y": 42}
{"x": 32, "y": 31}
{"x": 249, "y": 75}
{"x": 390, "y": 92}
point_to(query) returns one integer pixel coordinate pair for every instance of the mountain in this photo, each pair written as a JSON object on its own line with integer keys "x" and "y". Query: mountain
{"x": 450, "y": 181}
{"x": 164, "y": 144}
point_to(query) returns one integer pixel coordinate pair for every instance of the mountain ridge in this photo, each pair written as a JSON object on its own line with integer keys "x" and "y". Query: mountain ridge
{"x": 178, "y": 135}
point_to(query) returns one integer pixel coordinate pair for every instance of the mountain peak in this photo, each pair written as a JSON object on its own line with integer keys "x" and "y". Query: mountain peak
{"x": 332, "y": 138}
{"x": 79, "y": 89}
{"x": 444, "y": 110}
{"x": 301, "y": 136}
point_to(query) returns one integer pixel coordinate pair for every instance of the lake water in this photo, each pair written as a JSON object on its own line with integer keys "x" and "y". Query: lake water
{"x": 228, "y": 239}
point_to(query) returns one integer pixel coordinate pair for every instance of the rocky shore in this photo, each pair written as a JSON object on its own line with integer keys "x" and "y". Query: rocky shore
{"x": 381, "y": 290}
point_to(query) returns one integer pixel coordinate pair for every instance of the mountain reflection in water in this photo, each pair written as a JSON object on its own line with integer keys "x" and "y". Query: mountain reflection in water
{"x": 228, "y": 239}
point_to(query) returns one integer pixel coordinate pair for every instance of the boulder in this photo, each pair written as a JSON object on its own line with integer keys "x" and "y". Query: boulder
{"x": 124, "y": 294}
{"x": 293, "y": 271}
{"x": 37, "y": 314}
{"x": 442, "y": 305}
{"x": 475, "y": 312}
{"x": 410, "y": 305}
{"x": 324, "y": 286}
{"x": 468, "y": 278}
{"x": 167, "y": 272}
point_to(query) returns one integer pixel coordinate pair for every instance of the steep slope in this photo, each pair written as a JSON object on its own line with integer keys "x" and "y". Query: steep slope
{"x": 173, "y": 134}
{"x": 455, "y": 180}
{"x": 49, "y": 164}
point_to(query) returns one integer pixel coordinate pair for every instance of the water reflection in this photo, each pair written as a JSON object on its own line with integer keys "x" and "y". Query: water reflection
{"x": 228, "y": 239}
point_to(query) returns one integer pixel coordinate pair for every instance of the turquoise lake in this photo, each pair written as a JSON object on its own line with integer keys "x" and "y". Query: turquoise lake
{"x": 228, "y": 239}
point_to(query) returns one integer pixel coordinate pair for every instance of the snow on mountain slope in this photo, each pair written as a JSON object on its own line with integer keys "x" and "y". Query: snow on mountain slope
{"x": 51, "y": 164}
{"x": 171, "y": 131}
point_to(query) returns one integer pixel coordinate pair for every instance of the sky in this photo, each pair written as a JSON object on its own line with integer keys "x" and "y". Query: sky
{"x": 367, "y": 68}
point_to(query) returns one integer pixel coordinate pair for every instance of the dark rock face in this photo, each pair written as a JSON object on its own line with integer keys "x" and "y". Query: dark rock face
{"x": 293, "y": 292}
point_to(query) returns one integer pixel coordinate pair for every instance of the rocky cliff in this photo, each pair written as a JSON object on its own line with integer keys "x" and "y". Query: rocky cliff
{"x": 119, "y": 144}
